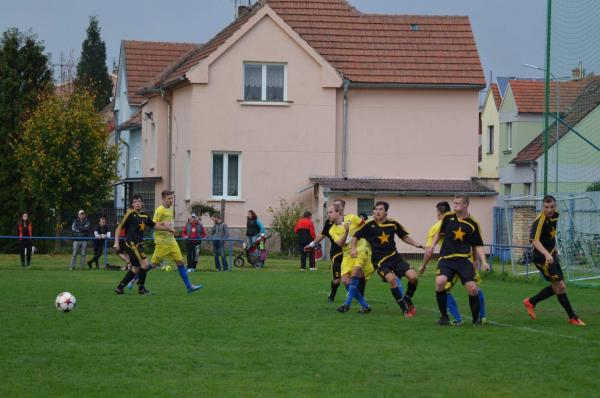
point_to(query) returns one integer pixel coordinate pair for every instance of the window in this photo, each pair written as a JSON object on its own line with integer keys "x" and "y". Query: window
{"x": 490, "y": 140}
{"x": 527, "y": 190}
{"x": 365, "y": 205}
{"x": 225, "y": 175}
{"x": 265, "y": 82}
{"x": 188, "y": 175}
{"x": 509, "y": 136}
{"x": 507, "y": 190}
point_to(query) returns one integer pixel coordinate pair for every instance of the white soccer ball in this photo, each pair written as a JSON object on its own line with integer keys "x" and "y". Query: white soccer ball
{"x": 65, "y": 302}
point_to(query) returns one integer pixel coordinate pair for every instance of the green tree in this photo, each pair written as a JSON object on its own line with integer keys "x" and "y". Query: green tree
{"x": 92, "y": 72}
{"x": 284, "y": 220}
{"x": 24, "y": 74}
{"x": 593, "y": 187}
{"x": 65, "y": 159}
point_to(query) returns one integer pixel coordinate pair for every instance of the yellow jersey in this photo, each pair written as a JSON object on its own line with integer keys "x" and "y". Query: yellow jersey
{"x": 338, "y": 231}
{"x": 434, "y": 229}
{"x": 164, "y": 215}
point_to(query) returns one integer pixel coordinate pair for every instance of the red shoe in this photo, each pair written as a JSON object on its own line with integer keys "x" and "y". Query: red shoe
{"x": 530, "y": 308}
{"x": 408, "y": 314}
{"x": 411, "y": 307}
{"x": 576, "y": 322}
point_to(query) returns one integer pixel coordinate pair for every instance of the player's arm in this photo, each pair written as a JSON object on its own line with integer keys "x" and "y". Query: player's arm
{"x": 353, "y": 247}
{"x": 429, "y": 249}
{"x": 409, "y": 241}
{"x": 121, "y": 225}
{"x": 478, "y": 246}
{"x": 536, "y": 232}
{"x": 540, "y": 248}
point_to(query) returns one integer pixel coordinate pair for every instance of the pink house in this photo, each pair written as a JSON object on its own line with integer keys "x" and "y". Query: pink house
{"x": 309, "y": 100}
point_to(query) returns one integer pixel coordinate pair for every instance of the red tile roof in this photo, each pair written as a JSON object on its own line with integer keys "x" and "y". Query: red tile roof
{"x": 407, "y": 186}
{"x": 368, "y": 48}
{"x": 529, "y": 94}
{"x": 580, "y": 108}
{"x": 145, "y": 59}
{"x": 134, "y": 121}
{"x": 496, "y": 94}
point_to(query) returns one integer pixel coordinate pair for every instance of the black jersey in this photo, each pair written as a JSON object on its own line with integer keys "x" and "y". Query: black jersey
{"x": 543, "y": 229}
{"x": 460, "y": 236}
{"x": 135, "y": 223}
{"x": 381, "y": 237}
{"x": 335, "y": 249}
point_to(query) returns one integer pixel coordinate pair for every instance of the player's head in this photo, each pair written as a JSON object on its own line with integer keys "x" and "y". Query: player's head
{"x": 380, "y": 210}
{"x": 442, "y": 208}
{"x": 340, "y": 202}
{"x": 363, "y": 216}
{"x": 252, "y": 215}
{"x": 167, "y": 198}
{"x": 102, "y": 221}
{"x": 460, "y": 203}
{"x": 549, "y": 203}
{"x": 137, "y": 202}
{"x": 334, "y": 212}
{"x": 307, "y": 214}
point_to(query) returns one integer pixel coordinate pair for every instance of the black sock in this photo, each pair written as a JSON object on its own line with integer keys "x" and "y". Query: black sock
{"x": 362, "y": 283}
{"x": 142, "y": 277}
{"x": 542, "y": 295}
{"x": 126, "y": 279}
{"x": 442, "y": 300}
{"x": 564, "y": 301}
{"x": 474, "y": 304}
{"x": 411, "y": 288}
{"x": 398, "y": 297}
{"x": 334, "y": 288}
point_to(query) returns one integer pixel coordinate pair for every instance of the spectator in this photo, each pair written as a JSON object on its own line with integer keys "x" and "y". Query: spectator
{"x": 101, "y": 233}
{"x": 254, "y": 229}
{"x": 81, "y": 229}
{"x": 305, "y": 229}
{"x": 25, "y": 233}
{"x": 219, "y": 233}
{"x": 193, "y": 232}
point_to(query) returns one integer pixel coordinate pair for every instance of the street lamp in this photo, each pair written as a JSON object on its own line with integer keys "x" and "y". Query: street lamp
{"x": 557, "y": 116}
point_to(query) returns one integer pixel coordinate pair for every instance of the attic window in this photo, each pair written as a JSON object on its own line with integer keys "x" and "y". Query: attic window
{"x": 414, "y": 27}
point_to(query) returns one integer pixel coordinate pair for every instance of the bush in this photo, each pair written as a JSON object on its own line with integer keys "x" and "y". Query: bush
{"x": 284, "y": 220}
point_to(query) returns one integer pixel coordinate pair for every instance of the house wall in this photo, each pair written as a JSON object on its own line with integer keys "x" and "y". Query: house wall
{"x": 489, "y": 165}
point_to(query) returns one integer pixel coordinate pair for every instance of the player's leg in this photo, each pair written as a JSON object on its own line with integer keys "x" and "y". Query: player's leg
{"x": 413, "y": 281}
{"x": 336, "y": 264}
{"x": 444, "y": 273}
{"x": 132, "y": 271}
{"x": 174, "y": 253}
{"x": 452, "y": 306}
{"x": 473, "y": 291}
{"x": 543, "y": 294}
{"x": 390, "y": 277}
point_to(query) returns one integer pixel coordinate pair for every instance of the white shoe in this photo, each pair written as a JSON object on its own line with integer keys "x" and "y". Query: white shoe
{"x": 314, "y": 269}
{"x": 190, "y": 270}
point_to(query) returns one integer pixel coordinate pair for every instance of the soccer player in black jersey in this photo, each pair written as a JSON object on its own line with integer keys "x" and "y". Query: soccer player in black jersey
{"x": 134, "y": 223}
{"x": 462, "y": 235}
{"x": 545, "y": 258}
{"x": 388, "y": 263}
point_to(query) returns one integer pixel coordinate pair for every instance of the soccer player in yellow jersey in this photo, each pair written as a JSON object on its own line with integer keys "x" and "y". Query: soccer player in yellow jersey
{"x": 165, "y": 245}
{"x": 352, "y": 269}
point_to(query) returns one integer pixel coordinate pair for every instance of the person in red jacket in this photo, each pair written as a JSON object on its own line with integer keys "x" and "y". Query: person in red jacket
{"x": 193, "y": 232}
{"x": 305, "y": 229}
{"x": 25, "y": 233}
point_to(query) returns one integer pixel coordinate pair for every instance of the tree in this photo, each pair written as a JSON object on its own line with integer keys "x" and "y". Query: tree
{"x": 593, "y": 187}
{"x": 284, "y": 220}
{"x": 64, "y": 159}
{"x": 25, "y": 73}
{"x": 92, "y": 72}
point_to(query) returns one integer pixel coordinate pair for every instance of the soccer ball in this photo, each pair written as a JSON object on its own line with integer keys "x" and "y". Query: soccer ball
{"x": 168, "y": 268}
{"x": 65, "y": 302}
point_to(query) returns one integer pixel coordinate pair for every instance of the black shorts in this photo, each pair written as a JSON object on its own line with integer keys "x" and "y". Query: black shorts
{"x": 550, "y": 272}
{"x": 136, "y": 254}
{"x": 453, "y": 266}
{"x": 395, "y": 264}
{"x": 336, "y": 265}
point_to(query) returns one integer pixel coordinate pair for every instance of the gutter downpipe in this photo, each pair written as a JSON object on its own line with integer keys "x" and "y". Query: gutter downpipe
{"x": 170, "y": 141}
{"x": 346, "y": 85}
{"x": 533, "y": 167}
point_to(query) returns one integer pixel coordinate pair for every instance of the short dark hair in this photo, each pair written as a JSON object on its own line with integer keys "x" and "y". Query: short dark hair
{"x": 363, "y": 215}
{"x": 549, "y": 199}
{"x": 102, "y": 218}
{"x": 166, "y": 192}
{"x": 443, "y": 207}
{"x": 383, "y": 203}
{"x": 307, "y": 214}
{"x": 136, "y": 197}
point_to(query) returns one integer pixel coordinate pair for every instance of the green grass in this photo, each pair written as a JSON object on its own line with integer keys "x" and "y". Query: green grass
{"x": 271, "y": 333}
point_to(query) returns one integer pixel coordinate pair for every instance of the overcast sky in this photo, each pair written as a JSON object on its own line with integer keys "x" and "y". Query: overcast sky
{"x": 509, "y": 33}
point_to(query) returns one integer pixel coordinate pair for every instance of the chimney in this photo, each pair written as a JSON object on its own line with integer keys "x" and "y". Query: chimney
{"x": 578, "y": 72}
{"x": 241, "y": 10}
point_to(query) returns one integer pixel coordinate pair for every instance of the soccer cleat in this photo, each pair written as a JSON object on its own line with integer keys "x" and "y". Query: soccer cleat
{"x": 410, "y": 306}
{"x": 302, "y": 269}
{"x": 314, "y": 269}
{"x": 530, "y": 308}
{"x": 408, "y": 314}
{"x": 478, "y": 323}
{"x": 190, "y": 270}
{"x": 330, "y": 298}
{"x": 364, "y": 310}
{"x": 454, "y": 322}
{"x": 343, "y": 308}
{"x": 484, "y": 321}
{"x": 119, "y": 291}
{"x": 443, "y": 321}
{"x": 143, "y": 291}
{"x": 576, "y": 322}
{"x": 194, "y": 288}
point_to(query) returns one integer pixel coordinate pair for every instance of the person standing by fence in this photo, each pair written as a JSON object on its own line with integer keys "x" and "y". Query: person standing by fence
{"x": 192, "y": 233}
{"x": 101, "y": 233}
{"x": 81, "y": 229}
{"x": 25, "y": 231}
{"x": 219, "y": 233}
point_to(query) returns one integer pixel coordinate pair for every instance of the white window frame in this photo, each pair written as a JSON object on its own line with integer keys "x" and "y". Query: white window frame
{"x": 263, "y": 92}
{"x": 226, "y": 175}
{"x": 509, "y": 136}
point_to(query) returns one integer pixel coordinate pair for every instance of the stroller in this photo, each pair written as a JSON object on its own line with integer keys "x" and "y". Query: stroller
{"x": 255, "y": 253}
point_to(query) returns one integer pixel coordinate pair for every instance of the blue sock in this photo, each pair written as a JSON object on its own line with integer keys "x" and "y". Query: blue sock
{"x": 481, "y": 304}
{"x": 183, "y": 273}
{"x": 399, "y": 282}
{"x": 351, "y": 288}
{"x": 453, "y": 308}
{"x": 356, "y": 292}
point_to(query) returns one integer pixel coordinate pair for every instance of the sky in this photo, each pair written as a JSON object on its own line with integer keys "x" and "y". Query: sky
{"x": 508, "y": 33}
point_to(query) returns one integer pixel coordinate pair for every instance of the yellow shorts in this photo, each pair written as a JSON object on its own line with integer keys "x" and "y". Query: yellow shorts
{"x": 168, "y": 251}
{"x": 456, "y": 279}
{"x": 362, "y": 260}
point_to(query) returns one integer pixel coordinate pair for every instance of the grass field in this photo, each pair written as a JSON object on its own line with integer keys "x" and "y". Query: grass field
{"x": 271, "y": 333}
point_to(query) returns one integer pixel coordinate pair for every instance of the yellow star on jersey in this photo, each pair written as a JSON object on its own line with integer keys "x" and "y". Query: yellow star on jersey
{"x": 383, "y": 238}
{"x": 553, "y": 233}
{"x": 142, "y": 227}
{"x": 459, "y": 234}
